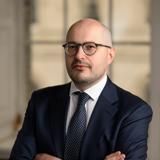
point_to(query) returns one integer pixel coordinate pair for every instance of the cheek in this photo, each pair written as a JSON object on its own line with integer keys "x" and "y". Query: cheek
{"x": 100, "y": 63}
{"x": 68, "y": 61}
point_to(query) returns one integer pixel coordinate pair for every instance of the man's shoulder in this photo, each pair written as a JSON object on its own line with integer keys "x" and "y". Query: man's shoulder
{"x": 124, "y": 95}
{"x": 51, "y": 90}
{"x": 129, "y": 97}
{"x": 130, "y": 102}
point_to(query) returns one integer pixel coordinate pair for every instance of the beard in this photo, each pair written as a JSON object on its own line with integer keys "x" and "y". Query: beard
{"x": 79, "y": 75}
{"x": 79, "y": 78}
{"x": 85, "y": 80}
{"x": 83, "y": 74}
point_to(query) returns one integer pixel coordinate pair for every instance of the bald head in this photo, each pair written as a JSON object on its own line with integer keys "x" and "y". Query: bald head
{"x": 89, "y": 30}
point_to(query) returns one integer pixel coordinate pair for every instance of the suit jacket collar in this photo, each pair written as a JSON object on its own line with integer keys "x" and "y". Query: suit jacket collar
{"x": 101, "y": 120}
{"x": 99, "y": 123}
{"x": 58, "y": 111}
{"x": 110, "y": 95}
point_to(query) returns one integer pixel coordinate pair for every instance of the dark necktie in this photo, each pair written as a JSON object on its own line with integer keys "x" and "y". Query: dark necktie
{"x": 76, "y": 129}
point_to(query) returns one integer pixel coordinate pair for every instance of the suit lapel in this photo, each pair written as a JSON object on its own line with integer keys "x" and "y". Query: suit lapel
{"x": 58, "y": 108}
{"x": 101, "y": 119}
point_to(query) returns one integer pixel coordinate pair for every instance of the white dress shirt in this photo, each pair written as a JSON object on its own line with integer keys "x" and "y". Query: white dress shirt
{"x": 94, "y": 93}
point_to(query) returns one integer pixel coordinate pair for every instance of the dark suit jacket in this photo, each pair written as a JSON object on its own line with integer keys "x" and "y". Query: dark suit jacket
{"x": 119, "y": 121}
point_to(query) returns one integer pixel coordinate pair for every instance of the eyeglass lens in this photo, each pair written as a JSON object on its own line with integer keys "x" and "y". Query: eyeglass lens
{"x": 88, "y": 48}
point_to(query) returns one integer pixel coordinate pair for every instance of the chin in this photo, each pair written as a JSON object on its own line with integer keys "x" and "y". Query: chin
{"x": 80, "y": 80}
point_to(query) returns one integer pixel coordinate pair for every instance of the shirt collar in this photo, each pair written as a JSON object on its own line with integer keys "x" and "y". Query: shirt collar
{"x": 93, "y": 91}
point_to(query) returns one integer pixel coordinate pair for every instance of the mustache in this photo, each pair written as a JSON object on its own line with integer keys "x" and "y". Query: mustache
{"x": 80, "y": 62}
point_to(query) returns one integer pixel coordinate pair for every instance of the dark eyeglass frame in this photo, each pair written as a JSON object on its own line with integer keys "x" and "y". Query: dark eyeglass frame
{"x": 77, "y": 45}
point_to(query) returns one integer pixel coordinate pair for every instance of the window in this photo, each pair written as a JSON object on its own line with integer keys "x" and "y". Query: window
{"x": 128, "y": 21}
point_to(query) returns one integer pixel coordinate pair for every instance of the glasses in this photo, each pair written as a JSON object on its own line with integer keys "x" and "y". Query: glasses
{"x": 89, "y": 48}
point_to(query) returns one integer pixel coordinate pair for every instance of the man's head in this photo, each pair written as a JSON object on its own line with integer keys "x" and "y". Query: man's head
{"x": 87, "y": 64}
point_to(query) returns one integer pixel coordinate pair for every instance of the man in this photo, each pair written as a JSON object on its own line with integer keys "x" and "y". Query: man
{"x": 116, "y": 122}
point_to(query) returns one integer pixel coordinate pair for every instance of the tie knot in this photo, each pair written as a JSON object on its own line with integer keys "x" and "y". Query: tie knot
{"x": 82, "y": 97}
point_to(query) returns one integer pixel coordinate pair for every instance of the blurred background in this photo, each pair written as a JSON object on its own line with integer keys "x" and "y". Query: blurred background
{"x": 31, "y": 55}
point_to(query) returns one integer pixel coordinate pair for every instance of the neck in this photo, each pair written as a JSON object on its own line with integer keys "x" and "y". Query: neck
{"x": 82, "y": 86}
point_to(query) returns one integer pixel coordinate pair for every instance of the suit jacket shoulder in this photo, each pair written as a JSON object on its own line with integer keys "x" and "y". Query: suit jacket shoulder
{"x": 129, "y": 103}
{"x": 50, "y": 93}
{"x": 52, "y": 90}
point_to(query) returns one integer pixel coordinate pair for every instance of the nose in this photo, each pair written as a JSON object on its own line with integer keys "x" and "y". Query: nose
{"x": 80, "y": 53}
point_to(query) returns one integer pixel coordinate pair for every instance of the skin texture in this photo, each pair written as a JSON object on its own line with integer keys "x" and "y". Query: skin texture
{"x": 44, "y": 156}
{"x": 85, "y": 71}
{"x": 114, "y": 156}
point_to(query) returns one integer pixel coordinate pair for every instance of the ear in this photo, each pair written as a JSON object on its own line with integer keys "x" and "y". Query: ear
{"x": 111, "y": 55}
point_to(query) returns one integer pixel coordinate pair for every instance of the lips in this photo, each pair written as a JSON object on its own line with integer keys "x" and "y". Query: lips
{"x": 80, "y": 66}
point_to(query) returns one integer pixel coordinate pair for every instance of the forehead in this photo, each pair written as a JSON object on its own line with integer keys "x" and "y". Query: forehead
{"x": 83, "y": 32}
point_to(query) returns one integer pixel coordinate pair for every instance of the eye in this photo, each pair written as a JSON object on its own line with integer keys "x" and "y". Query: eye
{"x": 90, "y": 46}
{"x": 72, "y": 46}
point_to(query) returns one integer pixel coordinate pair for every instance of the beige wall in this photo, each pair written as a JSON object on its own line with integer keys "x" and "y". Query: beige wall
{"x": 47, "y": 63}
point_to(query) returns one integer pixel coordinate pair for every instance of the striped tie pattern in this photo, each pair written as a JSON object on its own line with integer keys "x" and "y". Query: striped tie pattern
{"x": 76, "y": 129}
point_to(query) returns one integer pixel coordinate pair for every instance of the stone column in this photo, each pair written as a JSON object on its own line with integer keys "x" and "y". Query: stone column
{"x": 154, "y": 139}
